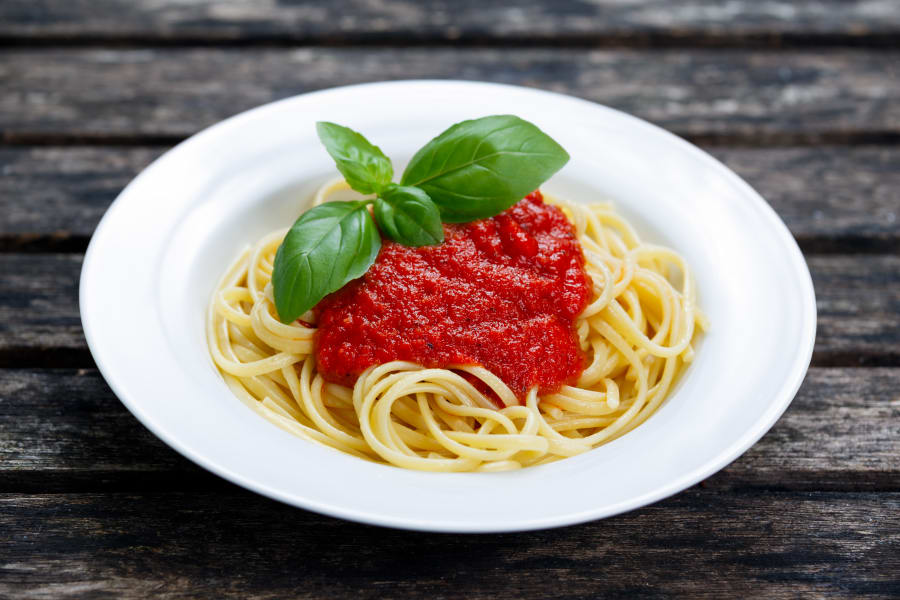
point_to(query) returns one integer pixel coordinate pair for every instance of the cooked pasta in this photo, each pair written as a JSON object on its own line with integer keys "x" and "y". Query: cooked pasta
{"x": 637, "y": 334}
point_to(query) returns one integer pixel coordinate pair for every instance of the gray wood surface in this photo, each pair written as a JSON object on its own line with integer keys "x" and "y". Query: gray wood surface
{"x": 165, "y": 94}
{"x": 833, "y": 198}
{"x": 52, "y": 198}
{"x": 39, "y": 320}
{"x": 858, "y": 299}
{"x": 66, "y": 430}
{"x": 697, "y": 544}
{"x": 407, "y": 21}
{"x": 801, "y": 98}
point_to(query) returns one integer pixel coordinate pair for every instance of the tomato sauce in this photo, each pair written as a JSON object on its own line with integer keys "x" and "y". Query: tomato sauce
{"x": 502, "y": 293}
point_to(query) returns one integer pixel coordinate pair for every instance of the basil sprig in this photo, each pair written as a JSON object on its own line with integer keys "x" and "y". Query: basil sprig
{"x": 479, "y": 168}
{"x": 473, "y": 170}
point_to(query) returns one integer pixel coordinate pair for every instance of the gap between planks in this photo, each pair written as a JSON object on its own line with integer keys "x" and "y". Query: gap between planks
{"x": 14, "y": 357}
{"x": 748, "y": 139}
{"x": 64, "y": 242}
{"x": 637, "y": 40}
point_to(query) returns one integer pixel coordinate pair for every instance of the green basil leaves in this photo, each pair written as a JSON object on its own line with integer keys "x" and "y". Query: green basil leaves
{"x": 474, "y": 170}
{"x": 363, "y": 165}
{"x": 408, "y": 216}
{"x": 329, "y": 245}
{"x": 479, "y": 168}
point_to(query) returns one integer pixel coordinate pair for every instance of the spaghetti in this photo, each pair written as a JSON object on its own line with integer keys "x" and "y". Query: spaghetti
{"x": 637, "y": 333}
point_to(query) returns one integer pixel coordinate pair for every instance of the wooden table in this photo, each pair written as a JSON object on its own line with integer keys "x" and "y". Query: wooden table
{"x": 801, "y": 99}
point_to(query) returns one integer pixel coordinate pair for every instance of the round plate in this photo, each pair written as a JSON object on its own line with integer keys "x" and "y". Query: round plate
{"x": 153, "y": 262}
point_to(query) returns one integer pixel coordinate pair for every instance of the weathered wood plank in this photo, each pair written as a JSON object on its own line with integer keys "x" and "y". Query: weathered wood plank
{"x": 53, "y": 198}
{"x": 841, "y": 432}
{"x": 39, "y": 320}
{"x": 360, "y": 21}
{"x": 844, "y": 199}
{"x": 65, "y": 430}
{"x": 832, "y": 198}
{"x": 858, "y": 301}
{"x": 66, "y": 94}
{"x": 696, "y": 544}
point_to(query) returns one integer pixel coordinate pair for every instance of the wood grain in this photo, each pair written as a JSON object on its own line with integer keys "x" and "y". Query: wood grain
{"x": 637, "y": 22}
{"x": 858, "y": 300}
{"x": 165, "y": 94}
{"x": 92, "y": 90}
{"x": 833, "y": 199}
{"x": 53, "y": 198}
{"x": 39, "y": 320}
{"x": 64, "y": 430}
{"x": 841, "y": 432}
{"x": 238, "y": 545}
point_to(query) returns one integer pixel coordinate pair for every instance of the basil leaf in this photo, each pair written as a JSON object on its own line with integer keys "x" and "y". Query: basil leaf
{"x": 328, "y": 246}
{"x": 363, "y": 165}
{"x": 408, "y": 216}
{"x": 479, "y": 168}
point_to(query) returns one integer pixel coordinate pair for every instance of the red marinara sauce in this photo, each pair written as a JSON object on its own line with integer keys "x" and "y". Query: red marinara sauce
{"x": 502, "y": 293}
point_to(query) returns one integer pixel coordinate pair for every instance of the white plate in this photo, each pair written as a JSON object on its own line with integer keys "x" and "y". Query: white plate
{"x": 157, "y": 253}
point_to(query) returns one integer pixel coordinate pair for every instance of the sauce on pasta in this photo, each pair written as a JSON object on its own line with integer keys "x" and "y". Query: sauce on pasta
{"x": 501, "y": 293}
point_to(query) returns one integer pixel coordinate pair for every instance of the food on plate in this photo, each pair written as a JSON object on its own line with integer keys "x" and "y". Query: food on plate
{"x": 459, "y": 320}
